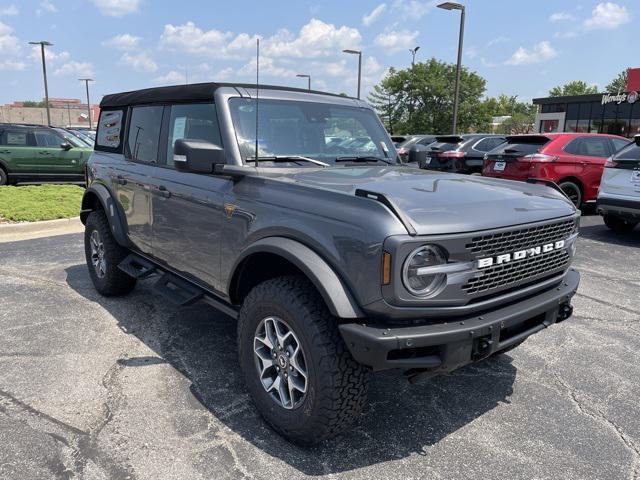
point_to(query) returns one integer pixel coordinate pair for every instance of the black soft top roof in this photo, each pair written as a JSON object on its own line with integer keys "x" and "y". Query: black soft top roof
{"x": 184, "y": 93}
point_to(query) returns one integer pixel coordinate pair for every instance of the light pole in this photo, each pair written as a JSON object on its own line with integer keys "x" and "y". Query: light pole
{"x": 413, "y": 51}
{"x": 44, "y": 43}
{"x": 86, "y": 84}
{"x": 308, "y": 77}
{"x": 359, "y": 53}
{"x": 456, "y": 6}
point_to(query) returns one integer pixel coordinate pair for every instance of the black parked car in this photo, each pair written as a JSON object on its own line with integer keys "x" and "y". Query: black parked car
{"x": 405, "y": 147}
{"x": 457, "y": 153}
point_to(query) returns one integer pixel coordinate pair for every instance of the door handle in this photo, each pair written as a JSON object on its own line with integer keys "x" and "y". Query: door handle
{"x": 120, "y": 180}
{"x": 164, "y": 192}
{"x": 5, "y": 151}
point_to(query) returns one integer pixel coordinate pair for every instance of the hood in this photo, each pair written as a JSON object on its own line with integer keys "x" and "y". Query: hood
{"x": 443, "y": 203}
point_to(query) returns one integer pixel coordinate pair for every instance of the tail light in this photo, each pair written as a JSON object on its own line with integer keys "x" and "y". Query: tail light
{"x": 610, "y": 163}
{"x": 540, "y": 157}
{"x": 452, "y": 154}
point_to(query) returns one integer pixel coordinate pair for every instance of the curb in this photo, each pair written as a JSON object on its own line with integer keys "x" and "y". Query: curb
{"x": 39, "y": 227}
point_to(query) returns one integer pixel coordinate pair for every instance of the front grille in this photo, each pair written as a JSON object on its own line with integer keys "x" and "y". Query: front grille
{"x": 513, "y": 240}
{"x": 512, "y": 273}
{"x": 505, "y": 275}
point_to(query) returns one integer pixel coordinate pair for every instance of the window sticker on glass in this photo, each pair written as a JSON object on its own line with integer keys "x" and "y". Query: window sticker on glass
{"x": 16, "y": 138}
{"x": 109, "y": 129}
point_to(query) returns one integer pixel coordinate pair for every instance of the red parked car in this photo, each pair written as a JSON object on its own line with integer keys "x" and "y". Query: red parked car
{"x": 574, "y": 161}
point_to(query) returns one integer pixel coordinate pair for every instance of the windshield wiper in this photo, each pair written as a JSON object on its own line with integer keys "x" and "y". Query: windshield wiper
{"x": 362, "y": 158}
{"x": 286, "y": 158}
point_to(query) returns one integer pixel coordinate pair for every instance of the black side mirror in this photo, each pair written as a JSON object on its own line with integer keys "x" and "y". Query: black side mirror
{"x": 198, "y": 156}
{"x": 636, "y": 139}
{"x": 418, "y": 155}
{"x": 65, "y": 146}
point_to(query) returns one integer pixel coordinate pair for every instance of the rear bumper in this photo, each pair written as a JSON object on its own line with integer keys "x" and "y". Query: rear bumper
{"x": 620, "y": 207}
{"x": 445, "y": 346}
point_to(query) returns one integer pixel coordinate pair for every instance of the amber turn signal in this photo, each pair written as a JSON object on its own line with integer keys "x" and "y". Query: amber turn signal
{"x": 386, "y": 268}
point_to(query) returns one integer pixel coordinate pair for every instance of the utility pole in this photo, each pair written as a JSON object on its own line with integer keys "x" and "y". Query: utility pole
{"x": 456, "y": 94}
{"x": 44, "y": 43}
{"x": 308, "y": 77}
{"x": 413, "y": 52}
{"x": 86, "y": 84}
{"x": 359, "y": 53}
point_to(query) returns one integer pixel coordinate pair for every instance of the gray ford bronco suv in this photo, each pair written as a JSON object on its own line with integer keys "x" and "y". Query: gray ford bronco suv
{"x": 335, "y": 258}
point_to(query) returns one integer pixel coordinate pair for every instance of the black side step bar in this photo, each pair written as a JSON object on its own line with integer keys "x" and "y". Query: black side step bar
{"x": 137, "y": 267}
{"x": 177, "y": 291}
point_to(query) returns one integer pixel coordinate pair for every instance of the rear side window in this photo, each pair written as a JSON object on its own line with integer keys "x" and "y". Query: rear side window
{"x": 589, "y": 146}
{"x": 444, "y": 146}
{"x": 195, "y": 122}
{"x": 14, "y": 138}
{"x": 45, "y": 138}
{"x": 110, "y": 127}
{"x": 519, "y": 147}
{"x": 144, "y": 134}
{"x": 489, "y": 143}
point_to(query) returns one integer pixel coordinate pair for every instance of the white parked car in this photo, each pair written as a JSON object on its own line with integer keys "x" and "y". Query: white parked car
{"x": 619, "y": 195}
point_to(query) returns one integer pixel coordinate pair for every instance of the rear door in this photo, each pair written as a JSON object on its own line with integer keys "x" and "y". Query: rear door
{"x": 622, "y": 175}
{"x": 18, "y": 154}
{"x": 188, "y": 208}
{"x": 584, "y": 157}
{"x": 133, "y": 176}
{"x": 442, "y": 144}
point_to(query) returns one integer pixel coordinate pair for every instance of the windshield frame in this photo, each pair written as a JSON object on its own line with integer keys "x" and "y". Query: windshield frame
{"x": 376, "y": 129}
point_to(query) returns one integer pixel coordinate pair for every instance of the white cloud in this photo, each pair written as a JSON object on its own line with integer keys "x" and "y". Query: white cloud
{"x": 561, "y": 17}
{"x": 393, "y": 41}
{"x": 374, "y": 15}
{"x": 15, "y": 65}
{"x": 268, "y": 67}
{"x": 9, "y": 10}
{"x": 540, "y": 52}
{"x": 123, "y": 42}
{"x": 171, "y": 78}
{"x": 140, "y": 62}
{"x": 497, "y": 40}
{"x": 315, "y": 39}
{"x": 117, "y": 8}
{"x": 50, "y": 54}
{"x": 412, "y": 9}
{"x": 78, "y": 69}
{"x": 607, "y": 15}
{"x": 10, "y": 45}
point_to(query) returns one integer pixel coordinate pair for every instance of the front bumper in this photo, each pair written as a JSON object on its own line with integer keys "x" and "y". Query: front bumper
{"x": 446, "y": 346}
{"x": 619, "y": 207}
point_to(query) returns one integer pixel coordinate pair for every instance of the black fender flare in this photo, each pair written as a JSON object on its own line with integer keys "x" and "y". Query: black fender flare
{"x": 332, "y": 289}
{"x": 110, "y": 206}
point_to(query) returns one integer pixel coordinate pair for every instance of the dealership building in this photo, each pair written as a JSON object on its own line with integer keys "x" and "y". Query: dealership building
{"x": 615, "y": 113}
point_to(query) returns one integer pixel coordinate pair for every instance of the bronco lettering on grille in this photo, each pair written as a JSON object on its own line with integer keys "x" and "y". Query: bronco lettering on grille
{"x": 520, "y": 254}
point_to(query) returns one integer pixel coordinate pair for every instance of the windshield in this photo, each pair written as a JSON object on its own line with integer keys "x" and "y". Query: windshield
{"x": 520, "y": 146}
{"x": 72, "y": 139}
{"x": 314, "y": 130}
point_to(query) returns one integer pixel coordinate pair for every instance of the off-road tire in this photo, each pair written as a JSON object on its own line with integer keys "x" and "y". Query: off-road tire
{"x": 4, "y": 178}
{"x": 572, "y": 191}
{"x": 337, "y": 384}
{"x": 618, "y": 224}
{"x": 114, "y": 282}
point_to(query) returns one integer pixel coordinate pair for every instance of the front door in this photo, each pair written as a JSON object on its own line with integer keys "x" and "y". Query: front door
{"x": 188, "y": 207}
{"x": 54, "y": 160}
{"x": 133, "y": 177}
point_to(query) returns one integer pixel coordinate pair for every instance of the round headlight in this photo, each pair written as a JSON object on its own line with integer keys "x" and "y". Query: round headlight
{"x": 416, "y": 280}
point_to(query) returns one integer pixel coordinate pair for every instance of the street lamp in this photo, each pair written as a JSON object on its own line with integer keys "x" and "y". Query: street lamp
{"x": 308, "y": 77}
{"x": 44, "y": 43}
{"x": 456, "y": 6}
{"x": 86, "y": 84}
{"x": 359, "y": 53}
{"x": 413, "y": 51}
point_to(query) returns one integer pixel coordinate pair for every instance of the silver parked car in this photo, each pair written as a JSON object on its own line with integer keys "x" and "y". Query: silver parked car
{"x": 619, "y": 195}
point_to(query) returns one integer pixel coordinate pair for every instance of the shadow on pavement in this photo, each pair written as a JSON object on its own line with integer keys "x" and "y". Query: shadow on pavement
{"x": 399, "y": 419}
{"x": 600, "y": 233}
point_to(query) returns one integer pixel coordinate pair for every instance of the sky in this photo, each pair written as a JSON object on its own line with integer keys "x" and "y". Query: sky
{"x": 521, "y": 47}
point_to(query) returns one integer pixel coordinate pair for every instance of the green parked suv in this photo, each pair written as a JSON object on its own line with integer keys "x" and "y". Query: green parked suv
{"x": 31, "y": 153}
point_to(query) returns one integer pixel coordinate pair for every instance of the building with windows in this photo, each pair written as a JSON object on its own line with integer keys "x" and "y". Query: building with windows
{"x": 614, "y": 113}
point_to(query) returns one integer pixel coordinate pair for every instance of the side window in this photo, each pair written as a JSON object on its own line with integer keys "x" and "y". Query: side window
{"x": 144, "y": 134}
{"x": 489, "y": 144}
{"x": 618, "y": 144}
{"x": 110, "y": 129}
{"x": 594, "y": 147}
{"x": 197, "y": 121}
{"x": 13, "y": 138}
{"x": 45, "y": 138}
{"x": 573, "y": 147}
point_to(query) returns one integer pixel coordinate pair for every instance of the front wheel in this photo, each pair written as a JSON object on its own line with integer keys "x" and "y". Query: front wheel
{"x": 301, "y": 376}
{"x": 618, "y": 224}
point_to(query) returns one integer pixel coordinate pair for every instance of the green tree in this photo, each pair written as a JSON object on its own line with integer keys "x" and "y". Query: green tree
{"x": 422, "y": 98}
{"x": 521, "y": 114}
{"x": 575, "y": 87}
{"x": 618, "y": 84}
{"x": 385, "y": 104}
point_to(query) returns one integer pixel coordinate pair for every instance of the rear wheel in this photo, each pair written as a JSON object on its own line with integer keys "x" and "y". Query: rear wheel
{"x": 103, "y": 255}
{"x": 301, "y": 376}
{"x": 618, "y": 224}
{"x": 572, "y": 191}
{"x": 4, "y": 180}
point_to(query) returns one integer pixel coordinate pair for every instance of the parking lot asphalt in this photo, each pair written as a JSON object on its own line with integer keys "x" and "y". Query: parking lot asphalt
{"x": 136, "y": 388}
